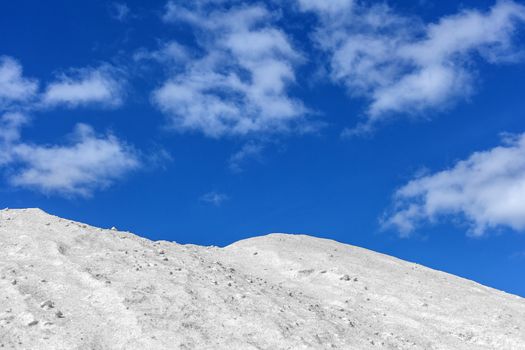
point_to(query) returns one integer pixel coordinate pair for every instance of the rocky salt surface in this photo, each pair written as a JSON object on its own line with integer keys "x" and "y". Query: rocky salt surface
{"x": 67, "y": 285}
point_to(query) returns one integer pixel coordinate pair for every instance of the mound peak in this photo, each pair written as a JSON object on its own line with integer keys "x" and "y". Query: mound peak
{"x": 68, "y": 285}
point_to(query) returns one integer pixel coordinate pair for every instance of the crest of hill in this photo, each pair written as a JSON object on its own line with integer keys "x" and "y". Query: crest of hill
{"x": 65, "y": 284}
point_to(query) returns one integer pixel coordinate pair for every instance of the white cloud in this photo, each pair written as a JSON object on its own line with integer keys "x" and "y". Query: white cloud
{"x": 240, "y": 85}
{"x": 10, "y": 125}
{"x": 487, "y": 190}
{"x": 249, "y": 150}
{"x": 404, "y": 66}
{"x": 333, "y": 7}
{"x": 214, "y": 198}
{"x": 518, "y": 256}
{"x": 119, "y": 11}
{"x": 13, "y": 86}
{"x": 87, "y": 163}
{"x": 170, "y": 53}
{"x": 101, "y": 86}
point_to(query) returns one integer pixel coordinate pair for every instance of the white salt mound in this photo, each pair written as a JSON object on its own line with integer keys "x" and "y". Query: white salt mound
{"x": 67, "y": 285}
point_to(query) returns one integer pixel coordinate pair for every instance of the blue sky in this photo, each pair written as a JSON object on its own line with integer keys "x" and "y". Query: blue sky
{"x": 396, "y": 126}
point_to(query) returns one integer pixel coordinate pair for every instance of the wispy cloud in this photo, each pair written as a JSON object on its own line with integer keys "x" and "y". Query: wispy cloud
{"x": 14, "y": 87}
{"x": 214, "y": 198}
{"x": 239, "y": 86}
{"x": 520, "y": 256}
{"x": 404, "y": 66}
{"x": 119, "y": 11}
{"x": 171, "y": 53}
{"x": 333, "y": 8}
{"x": 10, "y": 126}
{"x": 87, "y": 163}
{"x": 249, "y": 150}
{"x": 487, "y": 190}
{"x": 102, "y": 86}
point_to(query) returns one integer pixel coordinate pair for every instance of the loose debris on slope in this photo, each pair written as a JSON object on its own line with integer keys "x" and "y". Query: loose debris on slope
{"x": 67, "y": 285}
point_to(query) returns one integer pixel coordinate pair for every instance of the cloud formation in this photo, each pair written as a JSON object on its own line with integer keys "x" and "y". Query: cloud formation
{"x": 102, "y": 86}
{"x": 10, "y": 125}
{"x": 247, "y": 151}
{"x": 404, "y": 66}
{"x": 239, "y": 84}
{"x": 172, "y": 54}
{"x": 487, "y": 190}
{"x": 214, "y": 198}
{"x": 119, "y": 11}
{"x": 14, "y": 88}
{"x": 87, "y": 163}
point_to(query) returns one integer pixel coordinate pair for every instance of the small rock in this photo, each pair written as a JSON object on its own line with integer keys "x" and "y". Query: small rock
{"x": 32, "y": 323}
{"x": 345, "y": 278}
{"x": 59, "y": 314}
{"x": 48, "y": 304}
